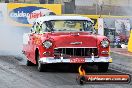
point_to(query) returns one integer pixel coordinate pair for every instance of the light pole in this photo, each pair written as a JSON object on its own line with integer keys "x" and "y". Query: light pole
{"x": 96, "y": 7}
{"x": 110, "y": 7}
{"x": 100, "y": 3}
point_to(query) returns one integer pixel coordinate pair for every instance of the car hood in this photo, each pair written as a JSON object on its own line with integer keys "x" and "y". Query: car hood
{"x": 74, "y": 39}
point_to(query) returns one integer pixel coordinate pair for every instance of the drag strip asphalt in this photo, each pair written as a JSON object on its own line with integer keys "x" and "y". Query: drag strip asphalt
{"x": 15, "y": 74}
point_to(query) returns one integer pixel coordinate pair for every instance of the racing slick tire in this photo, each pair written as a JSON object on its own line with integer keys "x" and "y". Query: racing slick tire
{"x": 29, "y": 63}
{"x": 103, "y": 67}
{"x": 41, "y": 67}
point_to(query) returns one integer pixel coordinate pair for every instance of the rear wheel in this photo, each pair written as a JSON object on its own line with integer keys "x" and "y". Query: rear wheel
{"x": 103, "y": 67}
{"x": 41, "y": 67}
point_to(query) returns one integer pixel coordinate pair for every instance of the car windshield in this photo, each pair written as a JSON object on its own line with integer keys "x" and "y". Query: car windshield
{"x": 67, "y": 25}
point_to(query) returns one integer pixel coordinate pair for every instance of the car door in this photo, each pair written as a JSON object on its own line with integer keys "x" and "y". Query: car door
{"x": 32, "y": 39}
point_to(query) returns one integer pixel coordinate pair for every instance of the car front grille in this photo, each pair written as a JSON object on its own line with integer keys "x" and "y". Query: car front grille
{"x": 76, "y": 52}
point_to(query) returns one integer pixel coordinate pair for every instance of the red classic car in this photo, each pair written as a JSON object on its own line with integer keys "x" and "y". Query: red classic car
{"x": 65, "y": 40}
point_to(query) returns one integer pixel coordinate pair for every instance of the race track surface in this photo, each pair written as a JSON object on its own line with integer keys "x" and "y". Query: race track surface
{"x": 15, "y": 74}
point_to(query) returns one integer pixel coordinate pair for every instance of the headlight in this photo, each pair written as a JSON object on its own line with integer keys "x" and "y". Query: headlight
{"x": 105, "y": 43}
{"x": 47, "y": 44}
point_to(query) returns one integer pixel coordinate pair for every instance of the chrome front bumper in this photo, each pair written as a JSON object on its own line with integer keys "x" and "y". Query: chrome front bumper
{"x": 46, "y": 60}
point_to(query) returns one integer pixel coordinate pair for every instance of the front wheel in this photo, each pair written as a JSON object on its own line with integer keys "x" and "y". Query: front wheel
{"x": 41, "y": 67}
{"x": 103, "y": 67}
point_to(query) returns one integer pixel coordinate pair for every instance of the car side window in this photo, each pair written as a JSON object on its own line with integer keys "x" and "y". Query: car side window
{"x": 33, "y": 28}
{"x": 37, "y": 27}
{"x": 44, "y": 28}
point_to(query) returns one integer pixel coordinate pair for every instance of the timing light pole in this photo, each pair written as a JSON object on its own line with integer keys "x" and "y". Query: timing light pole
{"x": 100, "y": 3}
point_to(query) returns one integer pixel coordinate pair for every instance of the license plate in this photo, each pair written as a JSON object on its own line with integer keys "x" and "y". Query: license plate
{"x": 77, "y": 60}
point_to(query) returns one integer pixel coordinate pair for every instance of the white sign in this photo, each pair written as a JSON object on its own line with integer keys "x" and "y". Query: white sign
{"x": 100, "y": 26}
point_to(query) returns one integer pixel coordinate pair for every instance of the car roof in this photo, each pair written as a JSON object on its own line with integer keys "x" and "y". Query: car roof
{"x": 48, "y": 18}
